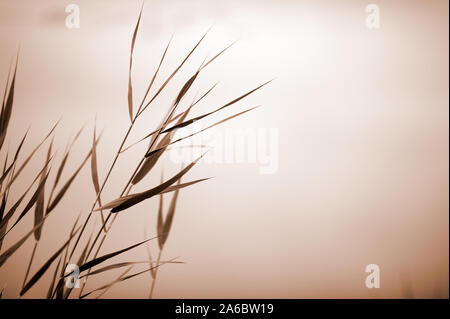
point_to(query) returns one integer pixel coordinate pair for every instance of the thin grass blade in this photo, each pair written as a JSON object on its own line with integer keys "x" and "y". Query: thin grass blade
{"x": 137, "y": 198}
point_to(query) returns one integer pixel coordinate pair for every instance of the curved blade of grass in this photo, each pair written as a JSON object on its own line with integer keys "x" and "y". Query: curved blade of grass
{"x": 4, "y": 169}
{"x": 2, "y": 210}
{"x": 160, "y": 222}
{"x": 123, "y": 199}
{"x": 39, "y": 208}
{"x": 149, "y": 253}
{"x": 94, "y": 174}
{"x": 169, "y": 218}
{"x": 7, "y": 107}
{"x": 150, "y": 162}
{"x": 186, "y": 87}
{"x": 139, "y": 197}
{"x": 130, "y": 87}
{"x": 6, "y": 90}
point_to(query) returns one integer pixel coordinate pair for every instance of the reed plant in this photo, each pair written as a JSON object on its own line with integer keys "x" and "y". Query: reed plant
{"x": 46, "y": 189}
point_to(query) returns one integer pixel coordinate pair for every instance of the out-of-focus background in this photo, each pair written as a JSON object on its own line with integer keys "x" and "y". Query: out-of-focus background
{"x": 363, "y": 133}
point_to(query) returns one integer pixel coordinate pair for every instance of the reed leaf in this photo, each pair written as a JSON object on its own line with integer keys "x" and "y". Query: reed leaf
{"x": 139, "y": 197}
{"x": 150, "y": 161}
{"x": 130, "y": 86}
{"x": 7, "y": 106}
{"x": 39, "y": 208}
{"x": 162, "y": 238}
{"x": 94, "y": 174}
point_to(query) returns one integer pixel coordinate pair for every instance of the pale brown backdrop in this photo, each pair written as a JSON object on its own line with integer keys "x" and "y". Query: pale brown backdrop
{"x": 363, "y": 141}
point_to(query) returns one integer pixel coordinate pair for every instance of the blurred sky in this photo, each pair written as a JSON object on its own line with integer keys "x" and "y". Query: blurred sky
{"x": 362, "y": 116}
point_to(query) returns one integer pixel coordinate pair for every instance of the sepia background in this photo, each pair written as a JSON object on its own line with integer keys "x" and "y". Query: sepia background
{"x": 363, "y": 122}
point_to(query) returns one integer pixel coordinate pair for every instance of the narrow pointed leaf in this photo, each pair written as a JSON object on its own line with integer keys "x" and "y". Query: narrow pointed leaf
{"x": 137, "y": 198}
{"x": 7, "y": 108}
{"x": 94, "y": 174}
{"x": 39, "y": 208}
{"x": 169, "y": 219}
{"x": 160, "y": 222}
{"x": 130, "y": 87}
